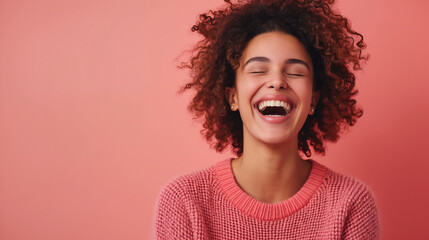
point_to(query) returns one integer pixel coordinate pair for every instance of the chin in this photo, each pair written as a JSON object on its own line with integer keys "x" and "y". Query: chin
{"x": 277, "y": 140}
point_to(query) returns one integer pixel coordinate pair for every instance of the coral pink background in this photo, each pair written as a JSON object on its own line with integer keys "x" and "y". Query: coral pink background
{"x": 91, "y": 126}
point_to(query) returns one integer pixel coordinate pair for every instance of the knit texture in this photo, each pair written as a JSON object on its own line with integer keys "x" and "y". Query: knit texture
{"x": 209, "y": 204}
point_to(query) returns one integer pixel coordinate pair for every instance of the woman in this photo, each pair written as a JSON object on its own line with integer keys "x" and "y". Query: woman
{"x": 272, "y": 78}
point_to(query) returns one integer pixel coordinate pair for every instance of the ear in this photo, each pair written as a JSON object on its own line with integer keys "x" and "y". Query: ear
{"x": 231, "y": 96}
{"x": 314, "y": 101}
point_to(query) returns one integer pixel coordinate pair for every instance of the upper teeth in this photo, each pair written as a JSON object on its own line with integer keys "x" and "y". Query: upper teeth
{"x": 274, "y": 103}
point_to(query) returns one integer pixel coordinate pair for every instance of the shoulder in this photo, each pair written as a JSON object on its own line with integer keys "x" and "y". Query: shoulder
{"x": 347, "y": 188}
{"x": 189, "y": 185}
{"x": 177, "y": 206}
{"x": 339, "y": 191}
{"x": 357, "y": 204}
{"x": 354, "y": 203}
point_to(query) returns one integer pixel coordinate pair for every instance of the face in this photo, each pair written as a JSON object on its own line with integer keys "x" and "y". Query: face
{"x": 273, "y": 89}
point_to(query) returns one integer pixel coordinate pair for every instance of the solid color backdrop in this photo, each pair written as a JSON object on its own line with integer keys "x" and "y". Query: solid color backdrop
{"x": 91, "y": 125}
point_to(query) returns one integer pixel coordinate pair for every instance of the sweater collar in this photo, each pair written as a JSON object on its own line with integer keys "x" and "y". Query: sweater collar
{"x": 266, "y": 211}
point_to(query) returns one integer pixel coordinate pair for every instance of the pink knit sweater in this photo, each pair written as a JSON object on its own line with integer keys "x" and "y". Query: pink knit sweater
{"x": 209, "y": 204}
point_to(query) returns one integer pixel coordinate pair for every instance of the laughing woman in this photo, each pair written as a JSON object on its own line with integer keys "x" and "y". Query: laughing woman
{"x": 273, "y": 79}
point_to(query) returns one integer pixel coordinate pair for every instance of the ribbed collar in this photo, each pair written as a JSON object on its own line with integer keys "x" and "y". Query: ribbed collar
{"x": 265, "y": 211}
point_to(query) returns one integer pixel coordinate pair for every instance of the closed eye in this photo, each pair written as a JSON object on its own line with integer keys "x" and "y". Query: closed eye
{"x": 257, "y": 72}
{"x": 295, "y": 74}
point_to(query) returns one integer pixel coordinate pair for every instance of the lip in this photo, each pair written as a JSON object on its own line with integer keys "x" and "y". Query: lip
{"x": 279, "y": 119}
{"x": 275, "y": 97}
{"x": 276, "y": 120}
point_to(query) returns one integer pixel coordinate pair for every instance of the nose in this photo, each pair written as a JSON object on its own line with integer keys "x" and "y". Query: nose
{"x": 277, "y": 82}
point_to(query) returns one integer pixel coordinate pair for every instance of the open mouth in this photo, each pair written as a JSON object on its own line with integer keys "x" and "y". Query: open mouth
{"x": 274, "y": 108}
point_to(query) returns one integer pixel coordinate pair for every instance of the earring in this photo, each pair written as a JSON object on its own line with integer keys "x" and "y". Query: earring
{"x": 312, "y": 110}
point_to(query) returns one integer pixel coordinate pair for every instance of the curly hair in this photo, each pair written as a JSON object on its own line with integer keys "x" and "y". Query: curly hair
{"x": 335, "y": 50}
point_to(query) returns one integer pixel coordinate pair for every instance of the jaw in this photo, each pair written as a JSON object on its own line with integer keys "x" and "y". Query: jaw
{"x": 271, "y": 131}
{"x": 274, "y": 140}
{"x": 274, "y": 130}
{"x": 270, "y": 128}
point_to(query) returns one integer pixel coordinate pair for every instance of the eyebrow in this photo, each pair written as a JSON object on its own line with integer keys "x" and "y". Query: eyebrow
{"x": 289, "y": 61}
{"x": 299, "y": 61}
{"x": 257, "y": 59}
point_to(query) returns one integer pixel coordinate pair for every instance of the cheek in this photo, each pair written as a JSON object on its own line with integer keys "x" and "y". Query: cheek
{"x": 246, "y": 91}
{"x": 304, "y": 90}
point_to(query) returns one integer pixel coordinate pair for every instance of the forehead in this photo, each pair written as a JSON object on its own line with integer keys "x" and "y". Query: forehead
{"x": 276, "y": 46}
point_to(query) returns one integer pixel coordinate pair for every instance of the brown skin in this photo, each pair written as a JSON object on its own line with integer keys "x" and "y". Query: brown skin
{"x": 270, "y": 168}
{"x": 335, "y": 50}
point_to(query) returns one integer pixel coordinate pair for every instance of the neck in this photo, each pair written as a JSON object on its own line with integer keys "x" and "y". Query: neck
{"x": 271, "y": 173}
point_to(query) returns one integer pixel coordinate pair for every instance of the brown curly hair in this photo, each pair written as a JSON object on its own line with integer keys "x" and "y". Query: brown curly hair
{"x": 335, "y": 50}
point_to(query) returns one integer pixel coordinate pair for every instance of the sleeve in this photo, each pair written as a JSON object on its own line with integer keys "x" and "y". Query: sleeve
{"x": 362, "y": 220}
{"x": 171, "y": 219}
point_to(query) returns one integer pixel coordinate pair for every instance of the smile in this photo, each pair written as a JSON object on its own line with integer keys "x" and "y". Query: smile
{"x": 274, "y": 108}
